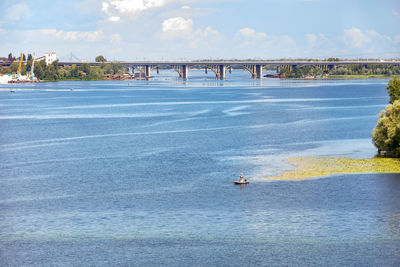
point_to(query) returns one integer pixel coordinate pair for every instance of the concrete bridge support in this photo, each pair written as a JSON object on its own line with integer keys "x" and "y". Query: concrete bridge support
{"x": 221, "y": 71}
{"x": 147, "y": 70}
{"x": 185, "y": 71}
{"x": 259, "y": 71}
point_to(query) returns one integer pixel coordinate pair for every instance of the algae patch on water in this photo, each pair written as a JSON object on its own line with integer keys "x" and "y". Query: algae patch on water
{"x": 313, "y": 167}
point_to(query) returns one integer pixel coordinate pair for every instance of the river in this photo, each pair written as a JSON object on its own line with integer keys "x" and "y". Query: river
{"x": 122, "y": 173}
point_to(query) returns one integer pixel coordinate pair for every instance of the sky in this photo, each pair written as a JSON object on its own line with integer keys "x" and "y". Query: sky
{"x": 201, "y": 29}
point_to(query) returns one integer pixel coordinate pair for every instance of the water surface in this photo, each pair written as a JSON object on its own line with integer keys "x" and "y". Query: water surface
{"x": 140, "y": 173}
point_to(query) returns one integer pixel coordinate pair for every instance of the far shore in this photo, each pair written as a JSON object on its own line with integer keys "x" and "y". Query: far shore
{"x": 330, "y": 77}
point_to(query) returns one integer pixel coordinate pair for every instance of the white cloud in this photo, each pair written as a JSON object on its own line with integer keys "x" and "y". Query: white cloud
{"x": 91, "y": 36}
{"x": 104, "y": 7}
{"x": 311, "y": 40}
{"x": 355, "y": 38}
{"x": 134, "y": 6}
{"x": 181, "y": 34}
{"x": 176, "y": 27}
{"x": 251, "y": 33}
{"x": 396, "y": 14}
{"x": 377, "y": 36}
{"x": 253, "y": 44}
{"x": 316, "y": 41}
{"x": 131, "y": 7}
{"x": 115, "y": 38}
{"x": 17, "y": 12}
{"x": 114, "y": 18}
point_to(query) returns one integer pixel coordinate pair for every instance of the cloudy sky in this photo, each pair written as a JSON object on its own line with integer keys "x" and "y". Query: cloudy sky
{"x": 201, "y": 29}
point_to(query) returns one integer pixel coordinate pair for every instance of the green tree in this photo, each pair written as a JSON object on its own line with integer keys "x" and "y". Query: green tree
{"x": 116, "y": 66}
{"x": 107, "y": 68}
{"x": 85, "y": 67}
{"x": 40, "y": 69}
{"x": 386, "y": 135}
{"x": 394, "y": 89}
{"x": 100, "y": 59}
{"x": 29, "y": 56}
{"x": 14, "y": 67}
{"x": 10, "y": 57}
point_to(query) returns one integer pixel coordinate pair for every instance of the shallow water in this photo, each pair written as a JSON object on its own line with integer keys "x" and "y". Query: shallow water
{"x": 140, "y": 173}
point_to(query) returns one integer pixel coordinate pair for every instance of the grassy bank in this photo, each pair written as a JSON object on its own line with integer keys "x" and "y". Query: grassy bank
{"x": 315, "y": 167}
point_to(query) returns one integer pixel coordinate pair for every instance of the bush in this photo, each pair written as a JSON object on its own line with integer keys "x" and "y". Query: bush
{"x": 386, "y": 135}
{"x": 394, "y": 90}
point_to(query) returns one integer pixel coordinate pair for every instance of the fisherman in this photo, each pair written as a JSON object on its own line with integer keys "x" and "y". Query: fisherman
{"x": 241, "y": 179}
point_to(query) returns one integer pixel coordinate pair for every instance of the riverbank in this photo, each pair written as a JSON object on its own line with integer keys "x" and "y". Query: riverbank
{"x": 317, "y": 167}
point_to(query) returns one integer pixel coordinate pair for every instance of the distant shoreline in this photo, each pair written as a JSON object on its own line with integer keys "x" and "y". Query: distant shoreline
{"x": 331, "y": 77}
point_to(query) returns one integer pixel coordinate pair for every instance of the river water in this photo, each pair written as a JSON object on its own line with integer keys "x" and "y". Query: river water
{"x": 140, "y": 173}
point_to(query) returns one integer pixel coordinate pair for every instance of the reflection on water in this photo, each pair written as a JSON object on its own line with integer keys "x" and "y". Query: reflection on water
{"x": 141, "y": 173}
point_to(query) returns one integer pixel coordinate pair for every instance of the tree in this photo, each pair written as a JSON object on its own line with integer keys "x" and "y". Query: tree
{"x": 10, "y": 57}
{"x": 116, "y": 66}
{"x": 85, "y": 67}
{"x": 100, "y": 59}
{"x": 394, "y": 90}
{"x": 23, "y": 57}
{"x": 29, "y": 56}
{"x": 386, "y": 135}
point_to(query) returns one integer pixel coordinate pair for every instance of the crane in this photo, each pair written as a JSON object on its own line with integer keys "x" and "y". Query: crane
{"x": 20, "y": 64}
{"x": 33, "y": 66}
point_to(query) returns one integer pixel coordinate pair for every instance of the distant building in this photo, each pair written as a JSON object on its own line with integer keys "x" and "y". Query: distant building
{"x": 50, "y": 58}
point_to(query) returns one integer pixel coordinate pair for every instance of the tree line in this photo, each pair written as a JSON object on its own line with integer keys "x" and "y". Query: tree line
{"x": 55, "y": 72}
{"x": 359, "y": 69}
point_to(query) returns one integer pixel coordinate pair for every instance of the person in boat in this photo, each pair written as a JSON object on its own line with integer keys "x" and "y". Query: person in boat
{"x": 241, "y": 178}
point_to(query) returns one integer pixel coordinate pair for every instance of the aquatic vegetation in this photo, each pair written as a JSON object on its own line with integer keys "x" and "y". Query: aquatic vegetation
{"x": 313, "y": 167}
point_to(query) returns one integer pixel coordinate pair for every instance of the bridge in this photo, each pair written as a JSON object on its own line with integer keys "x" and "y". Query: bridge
{"x": 220, "y": 67}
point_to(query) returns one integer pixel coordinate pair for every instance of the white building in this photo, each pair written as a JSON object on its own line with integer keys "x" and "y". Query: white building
{"x": 50, "y": 58}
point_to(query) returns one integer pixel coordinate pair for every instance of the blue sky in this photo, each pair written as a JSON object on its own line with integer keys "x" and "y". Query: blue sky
{"x": 200, "y": 29}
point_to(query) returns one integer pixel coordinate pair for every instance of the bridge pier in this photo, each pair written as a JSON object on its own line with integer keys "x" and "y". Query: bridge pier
{"x": 259, "y": 71}
{"x": 147, "y": 70}
{"x": 185, "y": 71}
{"x": 221, "y": 71}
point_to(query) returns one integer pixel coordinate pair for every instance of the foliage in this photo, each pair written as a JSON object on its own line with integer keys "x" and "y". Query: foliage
{"x": 394, "y": 90}
{"x": 301, "y": 71}
{"x": 386, "y": 135}
{"x": 82, "y": 72}
{"x": 100, "y": 59}
{"x": 10, "y": 56}
{"x": 359, "y": 69}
